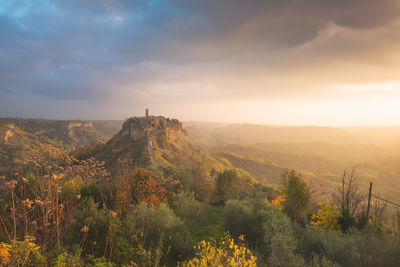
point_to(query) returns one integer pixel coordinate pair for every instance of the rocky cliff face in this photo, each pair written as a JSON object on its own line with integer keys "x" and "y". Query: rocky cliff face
{"x": 79, "y": 124}
{"x": 137, "y": 131}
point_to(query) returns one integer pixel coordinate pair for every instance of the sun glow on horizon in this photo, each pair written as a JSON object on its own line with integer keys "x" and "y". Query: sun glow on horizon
{"x": 370, "y": 104}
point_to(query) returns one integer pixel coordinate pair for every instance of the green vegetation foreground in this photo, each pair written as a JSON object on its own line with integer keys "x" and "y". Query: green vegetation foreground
{"x": 61, "y": 211}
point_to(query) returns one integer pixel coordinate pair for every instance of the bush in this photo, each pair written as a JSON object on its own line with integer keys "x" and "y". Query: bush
{"x": 161, "y": 229}
{"x": 21, "y": 253}
{"x": 355, "y": 248}
{"x": 244, "y": 217}
{"x": 102, "y": 192}
{"x": 194, "y": 213}
{"x": 93, "y": 230}
{"x": 223, "y": 183}
{"x": 280, "y": 240}
{"x": 225, "y": 253}
{"x": 66, "y": 259}
{"x": 268, "y": 231}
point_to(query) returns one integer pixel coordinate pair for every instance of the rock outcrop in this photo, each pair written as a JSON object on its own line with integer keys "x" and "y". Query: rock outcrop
{"x": 158, "y": 130}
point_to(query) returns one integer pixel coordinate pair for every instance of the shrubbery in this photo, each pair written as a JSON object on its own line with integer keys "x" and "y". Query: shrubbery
{"x": 223, "y": 253}
{"x": 143, "y": 219}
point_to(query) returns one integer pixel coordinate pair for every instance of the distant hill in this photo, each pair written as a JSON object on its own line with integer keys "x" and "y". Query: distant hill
{"x": 264, "y": 171}
{"x": 320, "y": 153}
{"x": 60, "y": 133}
{"x": 108, "y": 128}
{"x": 211, "y": 134}
{"x": 21, "y": 139}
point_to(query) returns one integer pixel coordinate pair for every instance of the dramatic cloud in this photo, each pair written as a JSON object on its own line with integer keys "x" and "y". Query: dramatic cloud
{"x": 195, "y": 59}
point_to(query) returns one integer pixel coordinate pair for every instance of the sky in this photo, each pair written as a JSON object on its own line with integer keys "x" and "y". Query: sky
{"x": 298, "y": 62}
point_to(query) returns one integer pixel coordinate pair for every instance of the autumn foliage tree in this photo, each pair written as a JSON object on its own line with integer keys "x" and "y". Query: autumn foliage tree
{"x": 141, "y": 185}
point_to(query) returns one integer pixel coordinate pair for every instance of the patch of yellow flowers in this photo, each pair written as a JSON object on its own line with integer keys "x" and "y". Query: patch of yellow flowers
{"x": 5, "y": 254}
{"x": 226, "y": 253}
{"x": 19, "y": 252}
{"x": 279, "y": 201}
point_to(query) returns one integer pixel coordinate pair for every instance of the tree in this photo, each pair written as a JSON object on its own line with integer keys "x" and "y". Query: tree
{"x": 139, "y": 185}
{"x": 296, "y": 196}
{"x": 224, "y": 182}
{"x": 348, "y": 197}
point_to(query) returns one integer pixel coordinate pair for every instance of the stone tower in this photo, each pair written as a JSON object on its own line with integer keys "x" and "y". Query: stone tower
{"x": 147, "y": 112}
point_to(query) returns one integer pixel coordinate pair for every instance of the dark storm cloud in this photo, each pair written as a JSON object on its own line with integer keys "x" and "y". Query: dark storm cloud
{"x": 95, "y": 50}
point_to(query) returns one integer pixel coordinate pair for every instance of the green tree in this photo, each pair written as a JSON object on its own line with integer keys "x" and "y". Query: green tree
{"x": 297, "y": 196}
{"x": 224, "y": 182}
